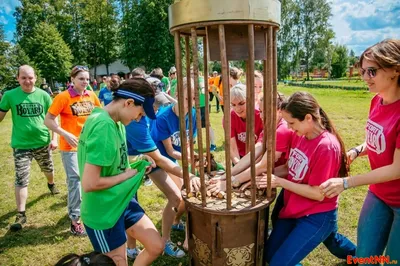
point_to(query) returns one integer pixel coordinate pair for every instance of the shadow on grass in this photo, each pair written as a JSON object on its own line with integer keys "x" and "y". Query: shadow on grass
{"x": 5, "y": 217}
{"x": 32, "y": 236}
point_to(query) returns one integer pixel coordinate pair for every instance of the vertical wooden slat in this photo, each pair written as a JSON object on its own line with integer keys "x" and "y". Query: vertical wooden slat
{"x": 250, "y": 125}
{"x": 198, "y": 116}
{"x": 274, "y": 91}
{"x": 207, "y": 102}
{"x": 248, "y": 111}
{"x": 270, "y": 148}
{"x": 227, "y": 114}
{"x": 190, "y": 105}
{"x": 178, "y": 62}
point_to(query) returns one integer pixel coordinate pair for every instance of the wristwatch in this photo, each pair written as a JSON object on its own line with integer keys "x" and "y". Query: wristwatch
{"x": 345, "y": 184}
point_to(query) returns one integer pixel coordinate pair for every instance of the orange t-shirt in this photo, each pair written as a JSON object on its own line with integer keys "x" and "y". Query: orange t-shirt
{"x": 210, "y": 83}
{"x": 220, "y": 88}
{"x": 73, "y": 109}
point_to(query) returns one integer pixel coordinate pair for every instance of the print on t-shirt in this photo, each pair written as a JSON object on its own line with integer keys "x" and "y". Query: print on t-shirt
{"x": 297, "y": 164}
{"x": 176, "y": 138}
{"x": 29, "y": 109}
{"x": 82, "y": 108}
{"x": 124, "y": 158}
{"x": 375, "y": 138}
{"x": 242, "y": 137}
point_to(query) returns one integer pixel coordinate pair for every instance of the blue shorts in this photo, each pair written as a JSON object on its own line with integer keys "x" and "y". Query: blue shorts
{"x": 107, "y": 240}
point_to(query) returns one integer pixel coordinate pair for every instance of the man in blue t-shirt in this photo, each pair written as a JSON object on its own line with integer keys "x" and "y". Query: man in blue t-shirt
{"x": 105, "y": 94}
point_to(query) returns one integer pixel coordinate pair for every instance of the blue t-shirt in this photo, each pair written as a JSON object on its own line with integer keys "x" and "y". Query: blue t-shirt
{"x": 105, "y": 96}
{"x": 167, "y": 126}
{"x": 138, "y": 137}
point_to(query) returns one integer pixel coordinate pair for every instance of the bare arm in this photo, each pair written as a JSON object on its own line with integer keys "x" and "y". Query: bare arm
{"x": 2, "y": 115}
{"x": 91, "y": 180}
{"x": 165, "y": 163}
{"x": 170, "y": 149}
{"x": 334, "y": 186}
{"x": 234, "y": 152}
{"x": 244, "y": 163}
{"x": 261, "y": 167}
{"x": 307, "y": 191}
{"x": 357, "y": 151}
{"x": 51, "y": 123}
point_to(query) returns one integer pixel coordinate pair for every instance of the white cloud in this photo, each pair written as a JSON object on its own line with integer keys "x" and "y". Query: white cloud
{"x": 8, "y": 6}
{"x": 3, "y": 20}
{"x": 359, "y": 24}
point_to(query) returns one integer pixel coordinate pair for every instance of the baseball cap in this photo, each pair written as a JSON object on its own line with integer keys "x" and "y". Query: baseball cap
{"x": 147, "y": 102}
{"x": 172, "y": 70}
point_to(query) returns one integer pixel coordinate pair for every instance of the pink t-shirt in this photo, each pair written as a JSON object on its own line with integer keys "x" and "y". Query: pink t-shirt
{"x": 238, "y": 130}
{"x": 283, "y": 140}
{"x": 383, "y": 138}
{"x": 311, "y": 162}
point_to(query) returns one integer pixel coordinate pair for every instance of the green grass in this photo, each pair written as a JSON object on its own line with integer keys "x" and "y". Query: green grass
{"x": 46, "y": 237}
{"x": 343, "y": 83}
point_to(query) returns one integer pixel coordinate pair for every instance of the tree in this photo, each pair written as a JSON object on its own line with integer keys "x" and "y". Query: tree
{"x": 146, "y": 40}
{"x": 352, "y": 58}
{"x": 4, "y": 47}
{"x": 49, "y": 52}
{"x": 339, "y": 61}
{"x": 314, "y": 18}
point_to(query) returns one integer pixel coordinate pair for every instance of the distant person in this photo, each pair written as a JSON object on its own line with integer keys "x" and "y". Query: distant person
{"x": 73, "y": 106}
{"x": 46, "y": 88}
{"x": 29, "y": 138}
{"x": 105, "y": 94}
{"x": 173, "y": 82}
{"x": 104, "y": 82}
{"x": 210, "y": 90}
{"x": 95, "y": 84}
{"x": 158, "y": 73}
{"x": 138, "y": 73}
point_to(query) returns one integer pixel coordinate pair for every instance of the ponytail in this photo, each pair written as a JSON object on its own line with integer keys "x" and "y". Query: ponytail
{"x": 327, "y": 124}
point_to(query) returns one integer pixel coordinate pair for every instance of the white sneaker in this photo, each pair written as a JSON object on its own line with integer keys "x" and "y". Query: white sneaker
{"x": 147, "y": 181}
{"x": 132, "y": 252}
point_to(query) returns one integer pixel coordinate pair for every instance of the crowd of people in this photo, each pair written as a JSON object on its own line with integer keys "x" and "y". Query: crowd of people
{"x": 137, "y": 123}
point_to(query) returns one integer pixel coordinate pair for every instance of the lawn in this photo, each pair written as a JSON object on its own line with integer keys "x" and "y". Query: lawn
{"x": 341, "y": 83}
{"x": 46, "y": 237}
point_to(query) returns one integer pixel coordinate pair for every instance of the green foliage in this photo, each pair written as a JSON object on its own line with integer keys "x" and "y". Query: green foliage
{"x": 339, "y": 61}
{"x": 49, "y": 51}
{"x": 146, "y": 40}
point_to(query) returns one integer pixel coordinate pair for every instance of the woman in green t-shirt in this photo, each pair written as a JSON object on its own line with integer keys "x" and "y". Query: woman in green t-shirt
{"x": 108, "y": 208}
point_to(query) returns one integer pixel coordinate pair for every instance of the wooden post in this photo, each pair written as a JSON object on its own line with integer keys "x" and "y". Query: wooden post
{"x": 227, "y": 115}
{"x": 270, "y": 148}
{"x": 198, "y": 116}
{"x": 178, "y": 62}
{"x": 207, "y": 102}
{"x": 250, "y": 119}
{"x": 190, "y": 106}
{"x": 274, "y": 91}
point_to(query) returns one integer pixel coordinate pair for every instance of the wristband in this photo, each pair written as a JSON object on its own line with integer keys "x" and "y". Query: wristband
{"x": 345, "y": 184}
{"x": 356, "y": 151}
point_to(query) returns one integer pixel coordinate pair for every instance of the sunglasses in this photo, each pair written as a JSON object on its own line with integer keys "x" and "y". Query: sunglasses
{"x": 84, "y": 68}
{"x": 371, "y": 71}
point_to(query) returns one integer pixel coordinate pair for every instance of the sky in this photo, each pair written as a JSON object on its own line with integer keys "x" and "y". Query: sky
{"x": 357, "y": 24}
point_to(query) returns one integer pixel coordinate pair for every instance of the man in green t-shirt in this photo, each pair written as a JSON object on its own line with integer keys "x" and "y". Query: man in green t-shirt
{"x": 30, "y": 138}
{"x": 173, "y": 82}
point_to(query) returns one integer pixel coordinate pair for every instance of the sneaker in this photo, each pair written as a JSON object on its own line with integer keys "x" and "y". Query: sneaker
{"x": 20, "y": 219}
{"x": 171, "y": 249}
{"x": 179, "y": 226}
{"x": 77, "y": 229}
{"x": 213, "y": 147}
{"x": 147, "y": 181}
{"x": 53, "y": 189}
{"x": 132, "y": 252}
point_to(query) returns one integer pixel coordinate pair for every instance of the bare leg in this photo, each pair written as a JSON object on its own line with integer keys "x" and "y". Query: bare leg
{"x": 147, "y": 234}
{"x": 172, "y": 192}
{"x": 131, "y": 243}
{"x": 50, "y": 177}
{"x": 181, "y": 209}
{"x": 21, "y": 195}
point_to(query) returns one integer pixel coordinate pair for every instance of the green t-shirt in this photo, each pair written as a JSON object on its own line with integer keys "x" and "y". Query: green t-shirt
{"x": 202, "y": 96}
{"x": 102, "y": 142}
{"x": 28, "y": 112}
{"x": 173, "y": 88}
{"x": 165, "y": 80}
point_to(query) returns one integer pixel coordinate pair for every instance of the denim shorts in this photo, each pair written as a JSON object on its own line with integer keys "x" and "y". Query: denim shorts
{"x": 107, "y": 240}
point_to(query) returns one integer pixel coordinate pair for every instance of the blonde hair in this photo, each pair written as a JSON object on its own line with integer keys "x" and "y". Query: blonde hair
{"x": 238, "y": 92}
{"x": 235, "y": 73}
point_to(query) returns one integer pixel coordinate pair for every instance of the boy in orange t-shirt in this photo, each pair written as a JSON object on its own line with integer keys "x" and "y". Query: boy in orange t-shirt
{"x": 73, "y": 106}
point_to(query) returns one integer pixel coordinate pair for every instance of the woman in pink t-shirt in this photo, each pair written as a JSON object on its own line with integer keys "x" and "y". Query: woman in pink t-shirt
{"x": 380, "y": 214}
{"x": 316, "y": 154}
{"x": 238, "y": 123}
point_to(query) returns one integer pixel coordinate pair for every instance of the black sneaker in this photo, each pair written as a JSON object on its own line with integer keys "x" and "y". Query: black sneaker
{"x": 77, "y": 229}
{"x": 19, "y": 221}
{"x": 53, "y": 189}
